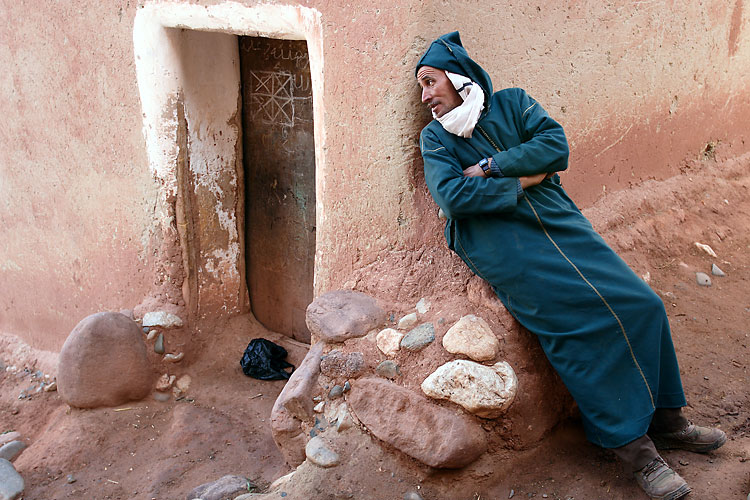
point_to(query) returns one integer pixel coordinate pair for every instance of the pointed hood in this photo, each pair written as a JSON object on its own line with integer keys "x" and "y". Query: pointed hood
{"x": 447, "y": 53}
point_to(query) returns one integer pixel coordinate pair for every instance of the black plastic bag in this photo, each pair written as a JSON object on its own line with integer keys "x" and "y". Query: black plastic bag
{"x": 265, "y": 360}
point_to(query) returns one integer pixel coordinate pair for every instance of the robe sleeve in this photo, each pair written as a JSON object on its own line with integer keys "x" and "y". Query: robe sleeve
{"x": 461, "y": 196}
{"x": 544, "y": 147}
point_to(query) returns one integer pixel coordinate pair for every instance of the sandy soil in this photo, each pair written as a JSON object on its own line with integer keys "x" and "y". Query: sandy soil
{"x": 162, "y": 450}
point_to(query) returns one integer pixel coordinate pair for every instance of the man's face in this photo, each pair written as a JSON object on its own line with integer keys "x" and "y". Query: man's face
{"x": 437, "y": 91}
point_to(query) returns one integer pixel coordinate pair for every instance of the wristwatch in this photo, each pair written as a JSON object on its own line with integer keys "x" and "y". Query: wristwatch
{"x": 484, "y": 164}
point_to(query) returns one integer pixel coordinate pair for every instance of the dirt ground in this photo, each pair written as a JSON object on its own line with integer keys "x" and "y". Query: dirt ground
{"x": 162, "y": 450}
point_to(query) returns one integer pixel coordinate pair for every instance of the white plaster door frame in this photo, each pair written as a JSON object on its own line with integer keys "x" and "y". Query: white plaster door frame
{"x": 165, "y": 85}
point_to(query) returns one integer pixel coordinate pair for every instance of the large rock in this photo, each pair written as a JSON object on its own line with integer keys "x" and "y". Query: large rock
{"x": 483, "y": 390}
{"x": 104, "y": 362}
{"x": 343, "y": 314}
{"x": 11, "y": 482}
{"x": 472, "y": 337}
{"x": 295, "y": 406}
{"x": 228, "y": 486}
{"x": 436, "y": 436}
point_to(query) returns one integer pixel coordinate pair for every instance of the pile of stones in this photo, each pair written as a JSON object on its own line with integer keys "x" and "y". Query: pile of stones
{"x": 339, "y": 385}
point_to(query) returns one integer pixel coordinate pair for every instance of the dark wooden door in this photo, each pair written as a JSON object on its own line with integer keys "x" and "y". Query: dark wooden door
{"x": 279, "y": 165}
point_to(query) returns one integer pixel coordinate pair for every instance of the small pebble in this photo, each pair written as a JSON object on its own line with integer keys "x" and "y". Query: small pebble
{"x": 162, "y": 396}
{"x": 511, "y": 494}
{"x": 319, "y": 407}
{"x": 347, "y": 386}
{"x": 684, "y": 462}
{"x": 152, "y": 334}
{"x": 51, "y": 387}
{"x": 70, "y": 479}
{"x": 716, "y": 271}
{"x": 159, "y": 346}
{"x": 174, "y": 358}
{"x": 336, "y": 392}
{"x": 412, "y": 495}
{"x": 387, "y": 369}
{"x": 702, "y": 279}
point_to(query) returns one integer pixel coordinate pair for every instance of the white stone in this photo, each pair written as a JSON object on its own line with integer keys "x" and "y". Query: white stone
{"x": 174, "y": 358}
{"x": 318, "y": 453}
{"x": 161, "y": 318}
{"x": 319, "y": 407}
{"x": 423, "y": 306}
{"x": 389, "y": 341}
{"x": 407, "y": 321}
{"x": 706, "y": 248}
{"x": 486, "y": 391}
{"x": 472, "y": 337}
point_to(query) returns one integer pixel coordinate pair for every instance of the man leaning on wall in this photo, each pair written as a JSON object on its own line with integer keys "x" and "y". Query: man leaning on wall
{"x": 491, "y": 163}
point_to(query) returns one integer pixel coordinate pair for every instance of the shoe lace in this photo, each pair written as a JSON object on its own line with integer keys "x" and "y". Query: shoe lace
{"x": 653, "y": 466}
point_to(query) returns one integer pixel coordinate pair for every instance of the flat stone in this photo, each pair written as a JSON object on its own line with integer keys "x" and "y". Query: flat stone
{"x": 104, "y": 362}
{"x": 343, "y": 314}
{"x": 9, "y": 436}
{"x": 436, "y": 436}
{"x": 388, "y": 369}
{"x": 412, "y": 495}
{"x": 716, "y": 271}
{"x": 423, "y": 306}
{"x": 228, "y": 486}
{"x": 295, "y": 406}
{"x": 419, "y": 338}
{"x": 9, "y": 451}
{"x": 472, "y": 337}
{"x": 482, "y": 390}
{"x": 337, "y": 364}
{"x": 407, "y": 321}
{"x": 318, "y": 452}
{"x": 162, "y": 319}
{"x": 389, "y": 341}
{"x": 702, "y": 279}
{"x": 11, "y": 482}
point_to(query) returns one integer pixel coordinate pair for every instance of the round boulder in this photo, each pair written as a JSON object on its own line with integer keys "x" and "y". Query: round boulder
{"x": 104, "y": 362}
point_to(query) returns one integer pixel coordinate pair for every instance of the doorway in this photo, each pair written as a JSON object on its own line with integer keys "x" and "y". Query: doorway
{"x": 279, "y": 171}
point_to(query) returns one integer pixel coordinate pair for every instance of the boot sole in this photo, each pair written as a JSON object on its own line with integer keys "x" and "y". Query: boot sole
{"x": 674, "y": 444}
{"x": 678, "y": 493}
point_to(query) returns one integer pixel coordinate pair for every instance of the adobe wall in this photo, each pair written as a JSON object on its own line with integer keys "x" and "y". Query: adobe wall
{"x": 88, "y": 224}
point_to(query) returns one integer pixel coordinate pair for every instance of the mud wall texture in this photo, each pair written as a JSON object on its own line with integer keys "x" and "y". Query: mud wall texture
{"x": 90, "y": 221}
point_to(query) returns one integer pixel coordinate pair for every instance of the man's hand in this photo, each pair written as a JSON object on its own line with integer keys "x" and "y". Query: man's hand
{"x": 474, "y": 171}
{"x": 532, "y": 180}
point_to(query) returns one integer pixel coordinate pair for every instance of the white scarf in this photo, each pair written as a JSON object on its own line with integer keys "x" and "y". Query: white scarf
{"x": 462, "y": 119}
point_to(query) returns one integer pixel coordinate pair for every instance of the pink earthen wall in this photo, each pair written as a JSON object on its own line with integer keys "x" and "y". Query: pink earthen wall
{"x": 639, "y": 86}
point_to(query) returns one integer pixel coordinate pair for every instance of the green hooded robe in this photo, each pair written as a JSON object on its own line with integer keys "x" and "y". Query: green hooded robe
{"x": 602, "y": 328}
